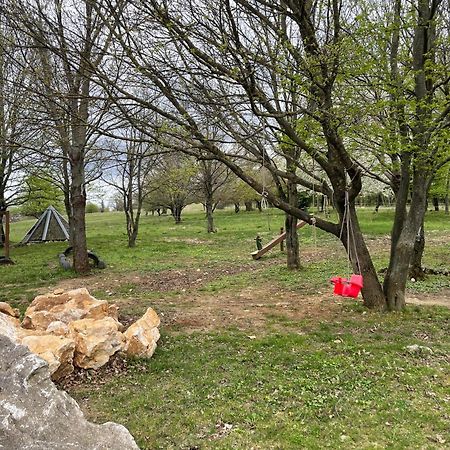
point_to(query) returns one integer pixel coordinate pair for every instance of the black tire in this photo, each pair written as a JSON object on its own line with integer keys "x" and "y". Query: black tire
{"x": 91, "y": 255}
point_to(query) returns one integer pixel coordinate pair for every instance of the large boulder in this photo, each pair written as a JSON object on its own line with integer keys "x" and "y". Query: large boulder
{"x": 142, "y": 336}
{"x": 95, "y": 341}
{"x": 66, "y": 307}
{"x": 34, "y": 415}
{"x": 57, "y": 351}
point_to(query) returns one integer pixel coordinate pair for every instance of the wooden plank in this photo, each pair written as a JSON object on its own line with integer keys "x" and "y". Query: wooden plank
{"x": 258, "y": 253}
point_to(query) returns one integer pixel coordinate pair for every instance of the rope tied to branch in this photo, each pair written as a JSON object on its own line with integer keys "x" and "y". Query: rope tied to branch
{"x": 346, "y": 221}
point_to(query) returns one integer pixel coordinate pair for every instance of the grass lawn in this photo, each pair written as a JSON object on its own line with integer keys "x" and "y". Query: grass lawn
{"x": 253, "y": 356}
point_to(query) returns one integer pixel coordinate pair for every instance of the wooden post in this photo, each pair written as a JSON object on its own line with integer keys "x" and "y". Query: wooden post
{"x": 282, "y": 242}
{"x": 7, "y": 235}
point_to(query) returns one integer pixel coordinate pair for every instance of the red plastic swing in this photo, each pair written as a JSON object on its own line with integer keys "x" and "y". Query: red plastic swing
{"x": 347, "y": 288}
{"x": 343, "y": 286}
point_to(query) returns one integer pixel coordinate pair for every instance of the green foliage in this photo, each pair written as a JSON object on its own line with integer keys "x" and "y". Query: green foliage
{"x": 42, "y": 194}
{"x": 92, "y": 208}
{"x": 304, "y": 200}
{"x": 173, "y": 183}
{"x": 441, "y": 183}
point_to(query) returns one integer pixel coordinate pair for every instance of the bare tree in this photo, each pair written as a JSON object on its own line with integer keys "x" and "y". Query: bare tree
{"x": 212, "y": 177}
{"x": 132, "y": 163}
{"x": 70, "y": 43}
{"x": 14, "y": 126}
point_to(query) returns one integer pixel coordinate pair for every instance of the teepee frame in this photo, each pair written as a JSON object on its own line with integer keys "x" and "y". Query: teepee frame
{"x": 51, "y": 226}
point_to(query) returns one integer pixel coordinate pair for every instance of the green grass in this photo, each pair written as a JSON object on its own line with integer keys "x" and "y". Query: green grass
{"x": 341, "y": 380}
{"x": 163, "y": 245}
{"x": 348, "y": 384}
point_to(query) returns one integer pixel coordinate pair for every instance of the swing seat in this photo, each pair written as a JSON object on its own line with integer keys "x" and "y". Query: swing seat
{"x": 347, "y": 288}
{"x": 338, "y": 285}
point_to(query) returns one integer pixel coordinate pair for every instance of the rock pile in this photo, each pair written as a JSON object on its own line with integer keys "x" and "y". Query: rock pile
{"x": 72, "y": 328}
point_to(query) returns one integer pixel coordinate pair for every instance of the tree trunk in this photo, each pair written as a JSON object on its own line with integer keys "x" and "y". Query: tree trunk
{"x": 78, "y": 222}
{"x": 2, "y": 214}
{"x": 69, "y": 212}
{"x": 397, "y": 274}
{"x": 290, "y": 223}
{"x": 436, "y": 203}
{"x": 416, "y": 270}
{"x": 249, "y": 206}
{"x": 447, "y": 189}
{"x": 133, "y": 235}
{"x": 209, "y": 214}
{"x": 379, "y": 201}
{"x": 132, "y": 227}
{"x": 176, "y": 213}
{"x": 67, "y": 203}
{"x": 401, "y": 199}
{"x": 322, "y": 203}
{"x": 2, "y": 230}
{"x": 237, "y": 207}
{"x": 292, "y": 247}
{"x": 259, "y": 205}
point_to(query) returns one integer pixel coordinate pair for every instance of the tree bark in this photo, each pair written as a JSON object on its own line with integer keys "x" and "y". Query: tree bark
{"x": 176, "y": 213}
{"x": 447, "y": 189}
{"x": 401, "y": 199}
{"x": 249, "y": 206}
{"x": 379, "y": 201}
{"x": 2, "y": 213}
{"x": 78, "y": 222}
{"x": 2, "y": 230}
{"x": 66, "y": 192}
{"x": 436, "y": 203}
{"x": 209, "y": 206}
{"x": 397, "y": 274}
{"x": 132, "y": 229}
{"x": 416, "y": 270}
{"x": 290, "y": 223}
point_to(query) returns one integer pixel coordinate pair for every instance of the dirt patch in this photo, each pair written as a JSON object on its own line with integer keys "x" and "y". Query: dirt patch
{"x": 248, "y": 309}
{"x": 163, "y": 281}
{"x": 440, "y": 299}
{"x": 188, "y": 241}
{"x": 173, "y": 279}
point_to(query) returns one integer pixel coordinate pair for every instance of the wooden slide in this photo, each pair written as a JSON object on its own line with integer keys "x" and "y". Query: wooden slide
{"x": 258, "y": 253}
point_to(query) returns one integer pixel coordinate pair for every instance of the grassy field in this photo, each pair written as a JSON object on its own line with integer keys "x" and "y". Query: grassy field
{"x": 253, "y": 356}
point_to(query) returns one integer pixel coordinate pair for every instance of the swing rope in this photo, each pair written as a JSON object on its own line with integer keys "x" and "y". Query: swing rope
{"x": 313, "y": 223}
{"x": 264, "y": 202}
{"x": 350, "y": 236}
